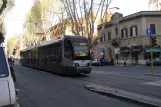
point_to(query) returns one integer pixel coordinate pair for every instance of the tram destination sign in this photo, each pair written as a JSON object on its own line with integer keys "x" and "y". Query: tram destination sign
{"x": 80, "y": 43}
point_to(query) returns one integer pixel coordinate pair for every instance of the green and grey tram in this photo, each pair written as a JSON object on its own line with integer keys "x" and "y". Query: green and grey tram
{"x": 65, "y": 55}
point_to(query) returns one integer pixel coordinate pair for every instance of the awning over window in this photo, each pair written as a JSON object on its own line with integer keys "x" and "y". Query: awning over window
{"x": 136, "y": 50}
{"x": 153, "y": 50}
{"x": 123, "y": 51}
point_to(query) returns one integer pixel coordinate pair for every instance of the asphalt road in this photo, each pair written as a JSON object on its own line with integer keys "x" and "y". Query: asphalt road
{"x": 131, "y": 79}
{"x": 40, "y": 89}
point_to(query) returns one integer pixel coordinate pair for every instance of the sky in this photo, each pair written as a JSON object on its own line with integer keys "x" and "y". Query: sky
{"x": 128, "y": 7}
{"x": 15, "y": 18}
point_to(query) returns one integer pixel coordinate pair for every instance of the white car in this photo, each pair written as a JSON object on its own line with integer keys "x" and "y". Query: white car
{"x": 7, "y": 88}
{"x": 96, "y": 62}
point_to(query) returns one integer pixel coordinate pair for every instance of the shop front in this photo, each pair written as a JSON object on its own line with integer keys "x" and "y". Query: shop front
{"x": 156, "y": 52}
{"x": 131, "y": 54}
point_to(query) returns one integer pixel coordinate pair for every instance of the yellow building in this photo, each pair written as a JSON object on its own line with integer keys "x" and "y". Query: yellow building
{"x": 125, "y": 37}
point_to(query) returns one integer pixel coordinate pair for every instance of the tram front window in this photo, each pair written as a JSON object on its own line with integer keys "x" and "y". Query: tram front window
{"x": 81, "y": 53}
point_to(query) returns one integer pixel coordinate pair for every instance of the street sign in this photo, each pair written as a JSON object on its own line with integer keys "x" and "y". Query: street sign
{"x": 102, "y": 51}
{"x": 149, "y": 32}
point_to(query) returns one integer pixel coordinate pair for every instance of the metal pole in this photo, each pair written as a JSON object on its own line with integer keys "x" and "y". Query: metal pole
{"x": 130, "y": 59}
{"x": 152, "y": 66}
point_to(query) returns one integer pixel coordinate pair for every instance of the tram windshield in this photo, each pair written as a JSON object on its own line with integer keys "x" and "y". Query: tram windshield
{"x": 81, "y": 51}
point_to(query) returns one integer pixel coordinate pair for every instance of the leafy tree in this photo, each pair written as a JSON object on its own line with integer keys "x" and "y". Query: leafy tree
{"x": 5, "y": 7}
{"x": 13, "y": 42}
{"x": 1, "y": 38}
{"x": 38, "y": 20}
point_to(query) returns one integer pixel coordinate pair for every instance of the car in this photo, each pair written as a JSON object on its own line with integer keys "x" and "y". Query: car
{"x": 96, "y": 62}
{"x": 106, "y": 62}
{"x": 156, "y": 62}
{"x": 8, "y": 97}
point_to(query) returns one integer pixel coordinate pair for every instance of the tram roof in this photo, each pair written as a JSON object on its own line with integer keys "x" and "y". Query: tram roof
{"x": 70, "y": 37}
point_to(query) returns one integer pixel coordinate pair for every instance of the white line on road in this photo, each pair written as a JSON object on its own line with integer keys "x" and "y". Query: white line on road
{"x": 106, "y": 73}
{"x": 155, "y": 83}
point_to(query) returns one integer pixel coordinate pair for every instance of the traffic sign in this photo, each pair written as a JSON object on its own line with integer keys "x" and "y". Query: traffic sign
{"x": 101, "y": 49}
{"x": 149, "y": 32}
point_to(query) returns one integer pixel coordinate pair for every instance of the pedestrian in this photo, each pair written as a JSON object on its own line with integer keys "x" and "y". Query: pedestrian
{"x": 112, "y": 61}
{"x": 101, "y": 61}
{"x": 134, "y": 61}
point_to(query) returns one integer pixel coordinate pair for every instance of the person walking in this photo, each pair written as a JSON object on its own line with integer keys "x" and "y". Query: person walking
{"x": 112, "y": 61}
{"x": 101, "y": 61}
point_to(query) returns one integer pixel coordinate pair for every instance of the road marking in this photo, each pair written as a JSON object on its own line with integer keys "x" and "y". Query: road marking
{"x": 156, "y": 83}
{"x": 106, "y": 73}
{"x": 123, "y": 94}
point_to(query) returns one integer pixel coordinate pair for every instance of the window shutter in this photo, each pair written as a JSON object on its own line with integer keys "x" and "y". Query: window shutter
{"x": 131, "y": 33}
{"x": 136, "y": 30}
{"x": 122, "y": 33}
{"x": 126, "y": 32}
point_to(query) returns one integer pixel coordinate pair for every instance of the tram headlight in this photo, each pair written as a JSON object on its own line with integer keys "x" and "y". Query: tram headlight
{"x": 76, "y": 65}
{"x": 88, "y": 64}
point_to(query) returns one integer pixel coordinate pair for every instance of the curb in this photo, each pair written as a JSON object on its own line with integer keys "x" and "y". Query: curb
{"x": 125, "y": 95}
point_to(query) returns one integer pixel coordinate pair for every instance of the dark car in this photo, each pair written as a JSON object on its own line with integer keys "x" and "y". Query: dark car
{"x": 156, "y": 62}
{"x": 106, "y": 62}
{"x": 97, "y": 62}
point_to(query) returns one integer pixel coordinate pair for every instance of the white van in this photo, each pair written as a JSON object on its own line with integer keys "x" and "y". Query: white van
{"x": 7, "y": 89}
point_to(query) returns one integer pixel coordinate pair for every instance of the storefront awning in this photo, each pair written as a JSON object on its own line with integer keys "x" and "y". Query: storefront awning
{"x": 136, "y": 50}
{"x": 153, "y": 50}
{"x": 123, "y": 51}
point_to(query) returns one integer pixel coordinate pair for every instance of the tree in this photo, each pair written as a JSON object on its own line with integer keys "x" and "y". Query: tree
{"x": 5, "y": 7}
{"x": 1, "y": 38}
{"x": 38, "y": 20}
{"x": 84, "y": 14}
{"x": 115, "y": 42}
{"x": 33, "y": 24}
{"x": 13, "y": 43}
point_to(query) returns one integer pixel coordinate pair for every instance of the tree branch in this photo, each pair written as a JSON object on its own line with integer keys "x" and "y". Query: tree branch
{"x": 4, "y": 5}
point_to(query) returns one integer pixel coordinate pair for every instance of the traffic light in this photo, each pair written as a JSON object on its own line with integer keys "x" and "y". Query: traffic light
{"x": 153, "y": 41}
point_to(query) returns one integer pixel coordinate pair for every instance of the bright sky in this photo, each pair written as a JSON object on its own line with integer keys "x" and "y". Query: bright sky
{"x": 128, "y": 7}
{"x": 14, "y": 19}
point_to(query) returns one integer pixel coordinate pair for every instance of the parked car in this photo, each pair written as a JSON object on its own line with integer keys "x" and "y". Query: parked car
{"x": 96, "y": 62}
{"x": 7, "y": 89}
{"x": 106, "y": 62}
{"x": 156, "y": 62}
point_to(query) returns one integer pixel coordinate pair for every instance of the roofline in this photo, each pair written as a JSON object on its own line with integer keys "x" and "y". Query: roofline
{"x": 134, "y": 16}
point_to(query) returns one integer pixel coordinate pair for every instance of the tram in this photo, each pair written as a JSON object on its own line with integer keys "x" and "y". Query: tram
{"x": 64, "y": 55}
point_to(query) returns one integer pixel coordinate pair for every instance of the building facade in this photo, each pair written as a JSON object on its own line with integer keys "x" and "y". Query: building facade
{"x": 125, "y": 39}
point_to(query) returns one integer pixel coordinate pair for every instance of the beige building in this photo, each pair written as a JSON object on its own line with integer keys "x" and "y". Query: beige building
{"x": 124, "y": 38}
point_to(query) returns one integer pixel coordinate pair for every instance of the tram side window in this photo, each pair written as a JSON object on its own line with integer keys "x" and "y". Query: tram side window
{"x": 68, "y": 50}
